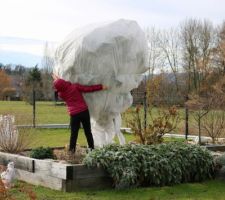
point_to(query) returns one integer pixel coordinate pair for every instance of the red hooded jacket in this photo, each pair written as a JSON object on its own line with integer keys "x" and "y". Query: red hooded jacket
{"x": 71, "y": 93}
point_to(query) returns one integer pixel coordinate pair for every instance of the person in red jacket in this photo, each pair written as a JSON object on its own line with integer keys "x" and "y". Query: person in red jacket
{"x": 71, "y": 93}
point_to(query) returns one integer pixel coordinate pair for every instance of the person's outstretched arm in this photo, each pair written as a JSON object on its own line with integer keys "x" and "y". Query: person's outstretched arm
{"x": 90, "y": 88}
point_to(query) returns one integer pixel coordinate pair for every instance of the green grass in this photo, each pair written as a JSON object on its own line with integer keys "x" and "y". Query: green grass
{"x": 49, "y": 113}
{"x": 46, "y": 112}
{"x": 59, "y": 137}
{"x": 208, "y": 190}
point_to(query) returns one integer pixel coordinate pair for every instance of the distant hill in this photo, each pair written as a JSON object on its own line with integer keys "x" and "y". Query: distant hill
{"x": 25, "y": 59}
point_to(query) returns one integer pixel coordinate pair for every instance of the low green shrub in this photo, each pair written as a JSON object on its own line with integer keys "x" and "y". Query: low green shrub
{"x": 42, "y": 153}
{"x": 143, "y": 165}
{"x": 220, "y": 160}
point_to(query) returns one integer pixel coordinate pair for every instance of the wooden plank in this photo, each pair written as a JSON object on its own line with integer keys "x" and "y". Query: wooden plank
{"x": 220, "y": 174}
{"x": 215, "y": 147}
{"x": 51, "y": 168}
{"x": 39, "y": 179}
{"x": 47, "y": 167}
{"x": 82, "y": 171}
{"x": 20, "y": 162}
{"x": 87, "y": 183}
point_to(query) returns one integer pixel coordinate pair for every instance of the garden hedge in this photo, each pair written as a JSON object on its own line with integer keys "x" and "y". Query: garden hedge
{"x": 135, "y": 165}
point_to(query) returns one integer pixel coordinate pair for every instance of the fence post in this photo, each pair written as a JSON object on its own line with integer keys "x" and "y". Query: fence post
{"x": 145, "y": 104}
{"x": 145, "y": 110}
{"x": 186, "y": 119}
{"x": 34, "y": 108}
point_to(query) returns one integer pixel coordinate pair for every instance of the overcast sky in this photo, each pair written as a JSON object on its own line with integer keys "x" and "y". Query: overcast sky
{"x": 52, "y": 20}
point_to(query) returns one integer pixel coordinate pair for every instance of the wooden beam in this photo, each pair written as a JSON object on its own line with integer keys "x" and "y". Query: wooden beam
{"x": 20, "y": 162}
{"x": 51, "y": 168}
{"x": 39, "y": 179}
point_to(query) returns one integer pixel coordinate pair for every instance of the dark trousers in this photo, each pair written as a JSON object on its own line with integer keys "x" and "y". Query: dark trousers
{"x": 75, "y": 120}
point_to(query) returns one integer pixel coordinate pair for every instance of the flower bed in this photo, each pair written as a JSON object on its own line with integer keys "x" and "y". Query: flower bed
{"x": 129, "y": 166}
{"x": 56, "y": 175}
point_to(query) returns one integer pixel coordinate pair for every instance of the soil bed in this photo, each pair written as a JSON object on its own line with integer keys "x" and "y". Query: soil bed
{"x": 62, "y": 155}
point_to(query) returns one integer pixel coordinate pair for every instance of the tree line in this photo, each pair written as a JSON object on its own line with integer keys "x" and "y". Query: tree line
{"x": 17, "y": 81}
{"x": 186, "y": 68}
{"x": 182, "y": 60}
{"x": 186, "y": 59}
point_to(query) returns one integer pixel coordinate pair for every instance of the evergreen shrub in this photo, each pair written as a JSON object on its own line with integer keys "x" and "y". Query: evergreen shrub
{"x": 135, "y": 165}
{"x": 42, "y": 153}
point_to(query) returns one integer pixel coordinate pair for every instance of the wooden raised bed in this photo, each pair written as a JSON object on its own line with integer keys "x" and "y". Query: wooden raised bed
{"x": 216, "y": 147}
{"x": 55, "y": 175}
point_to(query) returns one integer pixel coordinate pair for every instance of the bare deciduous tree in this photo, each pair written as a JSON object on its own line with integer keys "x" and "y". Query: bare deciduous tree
{"x": 154, "y": 53}
{"x": 170, "y": 45}
{"x": 201, "y": 106}
{"x": 214, "y": 124}
{"x": 219, "y": 51}
{"x": 198, "y": 43}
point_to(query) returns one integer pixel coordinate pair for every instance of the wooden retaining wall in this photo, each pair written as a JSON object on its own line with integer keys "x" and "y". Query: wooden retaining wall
{"x": 216, "y": 147}
{"x": 55, "y": 175}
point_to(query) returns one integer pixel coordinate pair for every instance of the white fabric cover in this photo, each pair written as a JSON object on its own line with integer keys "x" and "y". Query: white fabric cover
{"x": 112, "y": 54}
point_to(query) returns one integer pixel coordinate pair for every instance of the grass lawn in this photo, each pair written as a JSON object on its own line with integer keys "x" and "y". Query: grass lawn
{"x": 59, "y": 137}
{"x": 208, "y": 190}
{"x": 46, "y": 112}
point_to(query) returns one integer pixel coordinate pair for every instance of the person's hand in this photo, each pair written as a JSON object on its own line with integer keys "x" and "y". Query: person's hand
{"x": 55, "y": 77}
{"x": 104, "y": 87}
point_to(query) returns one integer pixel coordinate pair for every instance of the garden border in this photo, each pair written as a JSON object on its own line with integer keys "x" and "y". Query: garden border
{"x": 56, "y": 175}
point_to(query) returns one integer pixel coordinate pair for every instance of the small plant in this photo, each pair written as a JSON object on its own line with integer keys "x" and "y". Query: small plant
{"x": 165, "y": 121}
{"x": 42, "y": 153}
{"x": 12, "y": 139}
{"x": 214, "y": 124}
